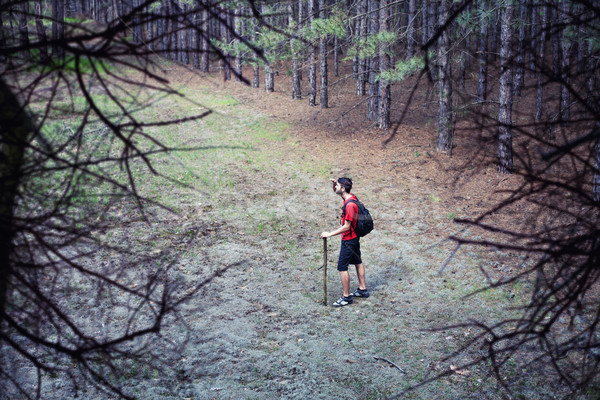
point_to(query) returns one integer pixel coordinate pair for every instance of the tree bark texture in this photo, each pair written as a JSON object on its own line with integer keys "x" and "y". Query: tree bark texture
{"x": 137, "y": 26}
{"x": 195, "y": 39}
{"x": 565, "y": 64}
{"x": 520, "y": 67}
{"x": 445, "y": 117}
{"x": 411, "y": 42}
{"x": 336, "y": 57}
{"x": 465, "y": 57}
{"x": 149, "y": 29}
{"x": 16, "y": 126}
{"x": 312, "y": 61}
{"x": 256, "y": 76}
{"x": 384, "y": 118}
{"x": 493, "y": 29}
{"x": 41, "y": 32}
{"x": 505, "y": 155}
{"x": 596, "y": 181}
{"x": 204, "y": 45}
{"x": 2, "y": 36}
{"x": 238, "y": 26}
{"x": 324, "y": 98}
{"x": 174, "y": 27}
{"x": 269, "y": 79}
{"x": 483, "y": 50}
{"x": 362, "y": 62}
{"x": 294, "y": 21}
{"x": 225, "y": 61}
{"x": 554, "y": 33}
{"x": 23, "y": 31}
{"x": 424, "y": 22}
{"x": 373, "y": 105}
{"x": 540, "y": 78}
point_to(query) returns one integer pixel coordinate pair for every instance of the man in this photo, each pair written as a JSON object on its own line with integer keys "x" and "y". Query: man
{"x": 350, "y": 248}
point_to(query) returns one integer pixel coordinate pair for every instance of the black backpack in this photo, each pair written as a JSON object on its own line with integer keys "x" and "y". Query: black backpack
{"x": 364, "y": 222}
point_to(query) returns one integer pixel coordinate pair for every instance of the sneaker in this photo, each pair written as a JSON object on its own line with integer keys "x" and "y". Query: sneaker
{"x": 360, "y": 293}
{"x": 343, "y": 301}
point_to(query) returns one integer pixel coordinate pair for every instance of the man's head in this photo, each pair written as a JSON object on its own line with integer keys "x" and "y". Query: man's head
{"x": 345, "y": 183}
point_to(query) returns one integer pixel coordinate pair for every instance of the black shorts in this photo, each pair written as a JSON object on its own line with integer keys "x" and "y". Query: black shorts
{"x": 349, "y": 254}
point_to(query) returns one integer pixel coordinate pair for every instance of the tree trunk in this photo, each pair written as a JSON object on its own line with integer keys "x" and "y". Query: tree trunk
{"x": 433, "y": 18}
{"x": 445, "y": 118}
{"x": 122, "y": 7}
{"x": 70, "y": 9}
{"x": 362, "y": 62}
{"x": 269, "y": 79}
{"x": 312, "y": 67}
{"x": 226, "y": 38}
{"x": 520, "y": 70}
{"x": 204, "y": 37}
{"x": 383, "y": 120}
{"x": 301, "y": 19}
{"x": 411, "y": 41}
{"x": 590, "y": 73}
{"x": 173, "y": 42}
{"x": 2, "y": 36}
{"x": 256, "y": 71}
{"x": 565, "y": 47}
{"x": 424, "y": 22}
{"x": 184, "y": 34}
{"x": 23, "y": 31}
{"x": 355, "y": 59}
{"x": 540, "y": 49}
{"x": 16, "y": 127}
{"x": 465, "y": 57}
{"x": 483, "y": 44}
{"x": 58, "y": 28}
{"x": 596, "y": 179}
{"x": 296, "y": 88}
{"x": 149, "y": 28}
{"x": 493, "y": 27}
{"x": 554, "y": 37}
{"x": 238, "y": 27}
{"x": 336, "y": 57}
{"x": 505, "y": 156}
{"x": 137, "y": 26}
{"x": 165, "y": 26}
{"x": 324, "y": 99}
{"x": 195, "y": 39}
{"x": 534, "y": 35}
{"x": 373, "y": 106}
{"x": 41, "y": 32}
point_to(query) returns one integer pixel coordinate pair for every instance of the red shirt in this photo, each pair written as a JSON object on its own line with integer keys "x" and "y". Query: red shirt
{"x": 352, "y": 216}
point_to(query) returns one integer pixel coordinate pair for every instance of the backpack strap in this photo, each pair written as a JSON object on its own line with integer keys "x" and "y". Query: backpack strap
{"x": 344, "y": 211}
{"x": 344, "y": 206}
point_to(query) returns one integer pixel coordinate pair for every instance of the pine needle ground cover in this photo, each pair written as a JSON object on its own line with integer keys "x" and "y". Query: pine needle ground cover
{"x": 244, "y": 201}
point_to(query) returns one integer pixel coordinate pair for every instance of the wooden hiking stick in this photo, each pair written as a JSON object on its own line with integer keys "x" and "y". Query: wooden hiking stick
{"x": 325, "y": 271}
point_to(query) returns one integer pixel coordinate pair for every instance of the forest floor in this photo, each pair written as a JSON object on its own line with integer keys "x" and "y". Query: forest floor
{"x": 262, "y": 196}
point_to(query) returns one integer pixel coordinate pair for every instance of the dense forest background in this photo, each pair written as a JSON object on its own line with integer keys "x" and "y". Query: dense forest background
{"x": 540, "y": 57}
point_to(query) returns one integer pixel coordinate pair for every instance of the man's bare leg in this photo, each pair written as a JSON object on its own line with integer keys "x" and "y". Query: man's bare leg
{"x": 360, "y": 272}
{"x": 345, "y": 282}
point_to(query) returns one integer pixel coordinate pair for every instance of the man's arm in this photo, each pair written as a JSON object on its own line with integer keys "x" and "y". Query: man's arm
{"x": 341, "y": 229}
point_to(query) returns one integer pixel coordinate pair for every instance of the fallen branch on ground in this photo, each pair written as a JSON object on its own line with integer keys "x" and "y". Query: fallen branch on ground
{"x": 388, "y": 361}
